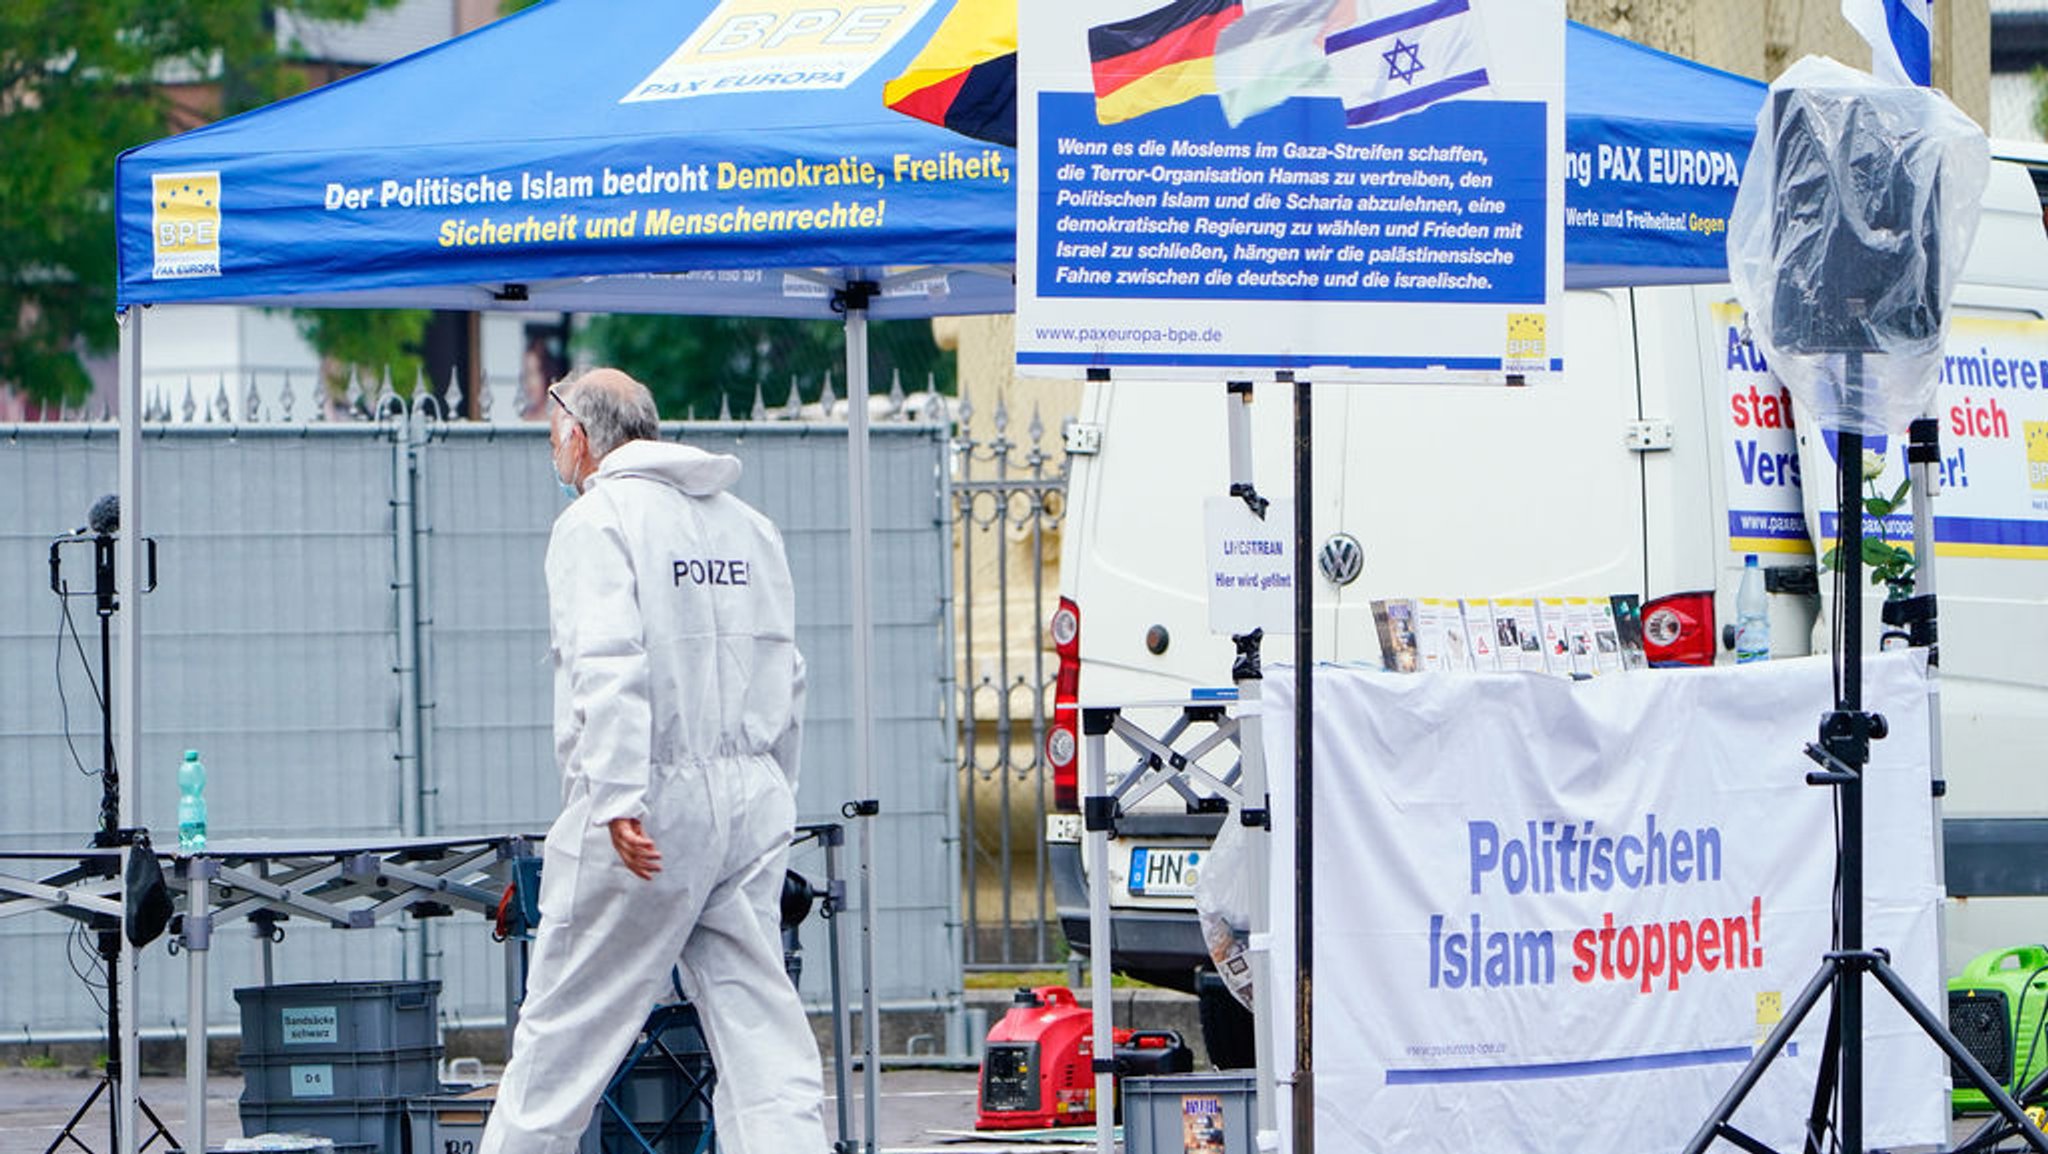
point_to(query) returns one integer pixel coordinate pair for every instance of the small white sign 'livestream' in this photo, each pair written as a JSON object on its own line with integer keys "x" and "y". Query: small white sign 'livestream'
{"x": 1251, "y": 566}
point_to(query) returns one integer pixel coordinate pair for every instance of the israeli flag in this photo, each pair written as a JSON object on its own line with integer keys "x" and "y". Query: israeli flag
{"x": 1901, "y": 48}
{"x": 1406, "y": 57}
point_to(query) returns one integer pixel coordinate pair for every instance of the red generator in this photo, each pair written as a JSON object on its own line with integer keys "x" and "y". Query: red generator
{"x": 1038, "y": 1069}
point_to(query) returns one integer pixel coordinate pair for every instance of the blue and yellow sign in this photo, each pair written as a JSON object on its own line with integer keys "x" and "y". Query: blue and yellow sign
{"x": 185, "y": 210}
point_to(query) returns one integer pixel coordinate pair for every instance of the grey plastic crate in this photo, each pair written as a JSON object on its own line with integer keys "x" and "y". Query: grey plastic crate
{"x": 447, "y": 1124}
{"x": 361, "y": 1018}
{"x": 1177, "y": 1113}
{"x": 340, "y": 1077}
{"x": 443, "y": 1125}
{"x": 379, "y": 1124}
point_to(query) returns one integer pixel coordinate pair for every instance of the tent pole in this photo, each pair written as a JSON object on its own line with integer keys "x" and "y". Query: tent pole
{"x": 854, "y": 298}
{"x": 126, "y": 687}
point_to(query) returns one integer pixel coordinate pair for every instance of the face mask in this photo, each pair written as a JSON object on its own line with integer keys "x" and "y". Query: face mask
{"x": 555, "y": 470}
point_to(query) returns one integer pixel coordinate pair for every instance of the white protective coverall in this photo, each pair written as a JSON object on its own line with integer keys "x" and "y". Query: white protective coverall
{"x": 678, "y": 695}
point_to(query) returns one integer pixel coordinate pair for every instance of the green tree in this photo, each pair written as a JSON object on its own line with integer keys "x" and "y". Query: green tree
{"x": 81, "y": 80}
{"x": 691, "y": 364}
{"x": 366, "y": 341}
{"x": 2039, "y": 75}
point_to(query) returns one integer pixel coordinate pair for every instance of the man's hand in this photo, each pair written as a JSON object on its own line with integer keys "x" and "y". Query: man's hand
{"x": 635, "y": 848}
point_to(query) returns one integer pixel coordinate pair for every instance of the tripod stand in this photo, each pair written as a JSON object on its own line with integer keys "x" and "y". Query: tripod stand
{"x": 105, "y": 521}
{"x": 1842, "y": 752}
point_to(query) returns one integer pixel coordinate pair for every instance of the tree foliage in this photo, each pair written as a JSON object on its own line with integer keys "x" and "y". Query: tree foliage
{"x": 366, "y": 341}
{"x": 80, "y": 82}
{"x": 695, "y": 364}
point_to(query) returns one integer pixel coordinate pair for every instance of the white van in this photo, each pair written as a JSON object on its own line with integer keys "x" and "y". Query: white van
{"x": 1653, "y": 468}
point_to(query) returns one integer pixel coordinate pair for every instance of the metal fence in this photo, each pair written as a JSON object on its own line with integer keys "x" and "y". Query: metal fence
{"x": 1008, "y": 503}
{"x": 350, "y": 626}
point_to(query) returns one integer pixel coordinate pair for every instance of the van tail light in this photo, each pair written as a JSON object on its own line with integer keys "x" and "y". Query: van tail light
{"x": 1679, "y": 629}
{"x": 1063, "y": 736}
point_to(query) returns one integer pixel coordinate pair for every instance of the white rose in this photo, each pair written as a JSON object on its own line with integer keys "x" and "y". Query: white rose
{"x": 1873, "y": 465}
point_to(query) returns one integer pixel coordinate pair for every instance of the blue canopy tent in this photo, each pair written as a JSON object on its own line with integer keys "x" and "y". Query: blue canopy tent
{"x": 552, "y": 160}
{"x": 668, "y": 156}
{"x": 649, "y": 156}
{"x": 1656, "y": 145}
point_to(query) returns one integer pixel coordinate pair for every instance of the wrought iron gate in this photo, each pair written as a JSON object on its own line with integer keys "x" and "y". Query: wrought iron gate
{"x": 1008, "y": 502}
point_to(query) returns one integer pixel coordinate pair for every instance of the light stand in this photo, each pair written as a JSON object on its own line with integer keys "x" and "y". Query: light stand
{"x": 1842, "y": 753}
{"x": 104, "y": 524}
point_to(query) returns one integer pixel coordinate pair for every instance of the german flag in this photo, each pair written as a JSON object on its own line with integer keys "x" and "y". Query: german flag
{"x": 1157, "y": 60}
{"x": 965, "y": 78}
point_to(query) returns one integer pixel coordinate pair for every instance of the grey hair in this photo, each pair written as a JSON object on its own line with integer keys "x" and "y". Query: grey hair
{"x": 612, "y": 407}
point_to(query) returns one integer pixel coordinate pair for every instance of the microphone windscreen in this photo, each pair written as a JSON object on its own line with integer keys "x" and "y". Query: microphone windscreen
{"x": 106, "y": 514}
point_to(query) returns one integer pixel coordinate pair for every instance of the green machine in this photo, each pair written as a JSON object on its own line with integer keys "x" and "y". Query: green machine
{"x": 1996, "y": 1009}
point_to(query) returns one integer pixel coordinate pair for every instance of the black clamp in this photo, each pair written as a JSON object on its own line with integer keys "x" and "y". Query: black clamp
{"x": 854, "y": 296}
{"x": 1098, "y": 373}
{"x": 1246, "y": 667}
{"x": 125, "y": 835}
{"x": 866, "y": 808}
{"x": 1844, "y": 746}
{"x": 1259, "y": 818}
{"x": 1923, "y": 442}
{"x": 1204, "y": 713}
{"x": 1104, "y": 1066}
{"x": 1797, "y": 580}
{"x": 510, "y": 293}
{"x": 1098, "y": 720}
{"x": 1251, "y": 498}
{"x": 1099, "y": 813}
{"x": 1916, "y": 615}
{"x": 1238, "y": 388}
{"x": 1209, "y": 805}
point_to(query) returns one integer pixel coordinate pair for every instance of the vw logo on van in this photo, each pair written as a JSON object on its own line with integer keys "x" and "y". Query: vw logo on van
{"x": 1341, "y": 559}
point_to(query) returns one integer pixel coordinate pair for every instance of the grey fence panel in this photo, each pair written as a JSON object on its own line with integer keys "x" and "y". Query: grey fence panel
{"x": 273, "y": 648}
{"x": 487, "y": 505}
{"x": 269, "y": 650}
{"x": 49, "y": 740}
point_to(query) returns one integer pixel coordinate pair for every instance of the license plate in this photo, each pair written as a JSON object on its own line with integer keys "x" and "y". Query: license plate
{"x": 1158, "y": 872}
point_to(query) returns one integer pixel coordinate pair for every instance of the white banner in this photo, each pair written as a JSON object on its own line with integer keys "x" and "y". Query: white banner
{"x": 1559, "y": 915}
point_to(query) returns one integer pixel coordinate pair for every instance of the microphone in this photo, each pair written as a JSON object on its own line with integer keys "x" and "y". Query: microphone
{"x": 105, "y": 517}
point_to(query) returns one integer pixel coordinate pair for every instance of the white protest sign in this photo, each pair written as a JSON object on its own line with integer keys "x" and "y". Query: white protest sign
{"x": 1251, "y": 566}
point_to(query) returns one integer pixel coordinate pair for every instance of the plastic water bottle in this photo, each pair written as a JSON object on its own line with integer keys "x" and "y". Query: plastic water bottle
{"x": 191, "y": 804}
{"x": 1752, "y": 615}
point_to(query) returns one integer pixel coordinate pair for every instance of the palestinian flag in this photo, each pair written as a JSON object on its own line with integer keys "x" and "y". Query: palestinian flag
{"x": 1157, "y": 60}
{"x": 965, "y": 78}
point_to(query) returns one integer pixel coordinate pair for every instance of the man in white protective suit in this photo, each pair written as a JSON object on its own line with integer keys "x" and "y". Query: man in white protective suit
{"x": 678, "y": 694}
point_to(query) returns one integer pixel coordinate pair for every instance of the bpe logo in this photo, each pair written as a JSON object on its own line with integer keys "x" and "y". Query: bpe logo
{"x": 2037, "y": 454}
{"x": 780, "y": 46}
{"x": 185, "y": 210}
{"x": 1527, "y": 350}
